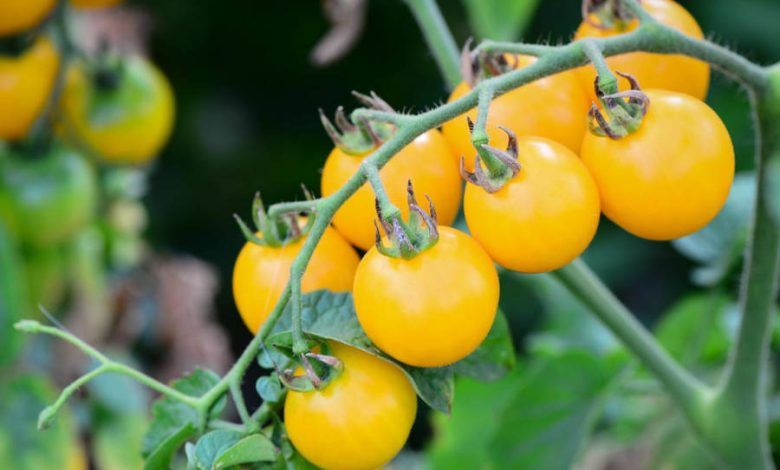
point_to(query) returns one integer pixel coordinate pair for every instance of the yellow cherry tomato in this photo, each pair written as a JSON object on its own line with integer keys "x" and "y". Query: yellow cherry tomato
{"x": 551, "y": 107}
{"x": 94, "y": 3}
{"x": 669, "y": 178}
{"x": 261, "y": 273}
{"x": 124, "y": 123}
{"x": 359, "y": 421}
{"x": 663, "y": 71}
{"x": 430, "y": 310}
{"x": 427, "y": 161}
{"x": 25, "y": 85}
{"x": 542, "y": 218}
{"x": 17, "y": 16}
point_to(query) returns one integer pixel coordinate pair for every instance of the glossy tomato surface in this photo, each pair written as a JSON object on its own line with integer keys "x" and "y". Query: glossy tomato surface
{"x": 427, "y": 161}
{"x": 362, "y": 418}
{"x": 430, "y": 310}
{"x": 672, "y": 176}
{"x": 542, "y": 218}
{"x": 17, "y": 16}
{"x": 261, "y": 273}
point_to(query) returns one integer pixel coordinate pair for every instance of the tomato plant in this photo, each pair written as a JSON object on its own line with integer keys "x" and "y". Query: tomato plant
{"x": 361, "y": 419}
{"x": 120, "y": 109}
{"x": 670, "y": 177}
{"x": 346, "y": 343}
{"x": 25, "y": 84}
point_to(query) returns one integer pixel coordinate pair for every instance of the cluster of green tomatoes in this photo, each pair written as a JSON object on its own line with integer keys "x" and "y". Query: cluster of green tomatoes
{"x": 71, "y": 127}
{"x": 660, "y": 166}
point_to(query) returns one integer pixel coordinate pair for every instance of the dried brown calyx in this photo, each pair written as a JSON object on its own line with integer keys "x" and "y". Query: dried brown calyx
{"x": 624, "y": 110}
{"x": 358, "y": 138}
{"x": 504, "y": 165}
{"x": 278, "y": 231}
{"x": 606, "y": 14}
{"x": 407, "y": 239}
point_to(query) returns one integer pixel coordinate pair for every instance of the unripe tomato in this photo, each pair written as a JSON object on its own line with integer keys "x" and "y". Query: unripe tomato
{"x": 94, "y": 3}
{"x": 551, "y": 107}
{"x": 663, "y": 71}
{"x": 261, "y": 273}
{"x": 670, "y": 177}
{"x": 45, "y": 269}
{"x": 430, "y": 310}
{"x": 17, "y": 16}
{"x": 362, "y": 418}
{"x": 542, "y": 218}
{"x": 25, "y": 84}
{"x": 53, "y": 195}
{"x": 427, "y": 161}
{"x": 126, "y": 122}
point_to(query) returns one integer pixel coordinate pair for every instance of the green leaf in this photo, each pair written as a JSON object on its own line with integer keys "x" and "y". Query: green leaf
{"x": 494, "y": 357}
{"x": 331, "y": 316}
{"x": 13, "y": 290}
{"x": 501, "y": 20}
{"x": 116, "y": 444}
{"x": 546, "y": 423}
{"x": 269, "y": 388}
{"x": 718, "y": 247}
{"x": 22, "y": 446}
{"x": 254, "y": 448}
{"x": 694, "y": 330}
{"x": 175, "y": 422}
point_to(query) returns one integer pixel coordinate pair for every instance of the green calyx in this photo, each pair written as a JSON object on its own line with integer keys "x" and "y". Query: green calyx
{"x": 624, "y": 109}
{"x": 606, "y": 14}
{"x": 500, "y": 165}
{"x": 406, "y": 239}
{"x": 270, "y": 231}
{"x": 319, "y": 368}
{"x": 361, "y": 137}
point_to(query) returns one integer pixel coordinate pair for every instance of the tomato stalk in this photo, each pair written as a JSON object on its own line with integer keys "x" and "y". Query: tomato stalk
{"x": 438, "y": 37}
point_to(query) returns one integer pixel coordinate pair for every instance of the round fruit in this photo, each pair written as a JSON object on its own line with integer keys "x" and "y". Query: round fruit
{"x": 663, "y": 71}
{"x": 670, "y": 177}
{"x": 542, "y": 218}
{"x": 430, "y": 310}
{"x": 427, "y": 161}
{"x": 17, "y": 16}
{"x": 551, "y": 107}
{"x": 125, "y": 117}
{"x": 261, "y": 273}
{"x": 45, "y": 269}
{"x": 53, "y": 195}
{"x": 361, "y": 419}
{"x": 25, "y": 84}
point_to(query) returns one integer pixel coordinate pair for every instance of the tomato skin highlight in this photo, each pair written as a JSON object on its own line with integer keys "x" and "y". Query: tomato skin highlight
{"x": 553, "y": 107}
{"x": 53, "y": 196}
{"x": 261, "y": 273}
{"x": 542, "y": 218}
{"x": 427, "y": 161}
{"x": 17, "y": 16}
{"x": 669, "y": 178}
{"x": 431, "y": 310}
{"x": 25, "y": 85}
{"x": 362, "y": 418}
{"x": 125, "y": 125}
{"x": 660, "y": 71}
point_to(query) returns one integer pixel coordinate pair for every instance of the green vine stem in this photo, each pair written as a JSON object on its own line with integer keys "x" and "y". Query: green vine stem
{"x": 650, "y": 36}
{"x": 439, "y": 39}
{"x": 581, "y": 281}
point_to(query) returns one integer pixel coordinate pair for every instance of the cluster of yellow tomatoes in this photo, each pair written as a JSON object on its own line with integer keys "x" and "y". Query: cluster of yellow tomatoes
{"x": 665, "y": 180}
{"x": 60, "y": 115}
